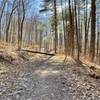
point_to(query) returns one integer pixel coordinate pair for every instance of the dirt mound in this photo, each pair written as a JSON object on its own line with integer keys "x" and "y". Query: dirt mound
{"x": 13, "y": 57}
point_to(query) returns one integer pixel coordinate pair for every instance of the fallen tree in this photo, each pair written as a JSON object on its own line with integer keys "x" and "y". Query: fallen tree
{"x": 92, "y": 70}
{"x": 51, "y": 54}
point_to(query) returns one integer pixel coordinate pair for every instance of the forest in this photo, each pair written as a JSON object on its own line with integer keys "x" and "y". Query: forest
{"x": 49, "y": 49}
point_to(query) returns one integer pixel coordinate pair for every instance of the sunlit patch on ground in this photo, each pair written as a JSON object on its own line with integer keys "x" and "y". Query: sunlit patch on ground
{"x": 46, "y": 72}
{"x": 3, "y": 69}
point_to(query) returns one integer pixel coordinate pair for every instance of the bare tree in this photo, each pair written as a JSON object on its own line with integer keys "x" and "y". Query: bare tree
{"x": 93, "y": 29}
{"x": 14, "y": 6}
{"x": 1, "y": 13}
{"x": 20, "y": 22}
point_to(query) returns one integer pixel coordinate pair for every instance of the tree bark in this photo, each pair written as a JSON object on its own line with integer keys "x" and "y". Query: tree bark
{"x": 55, "y": 28}
{"x": 93, "y": 29}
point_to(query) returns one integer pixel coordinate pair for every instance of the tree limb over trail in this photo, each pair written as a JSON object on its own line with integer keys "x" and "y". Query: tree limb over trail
{"x": 39, "y": 52}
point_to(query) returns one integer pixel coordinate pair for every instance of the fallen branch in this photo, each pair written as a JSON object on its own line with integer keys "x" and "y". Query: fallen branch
{"x": 93, "y": 71}
{"x": 38, "y": 52}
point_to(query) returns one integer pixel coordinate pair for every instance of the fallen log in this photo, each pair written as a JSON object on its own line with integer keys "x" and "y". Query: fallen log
{"x": 51, "y": 54}
{"x": 93, "y": 71}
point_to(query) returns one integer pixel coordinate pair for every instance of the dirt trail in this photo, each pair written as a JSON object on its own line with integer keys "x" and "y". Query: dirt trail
{"x": 47, "y": 78}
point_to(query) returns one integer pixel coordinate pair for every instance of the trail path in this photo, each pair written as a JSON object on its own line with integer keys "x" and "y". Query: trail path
{"x": 47, "y": 78}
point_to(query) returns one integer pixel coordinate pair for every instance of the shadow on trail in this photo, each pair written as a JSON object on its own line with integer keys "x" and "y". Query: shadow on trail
{"x": 40, "y": 63}
{"x": 7, "y": 59}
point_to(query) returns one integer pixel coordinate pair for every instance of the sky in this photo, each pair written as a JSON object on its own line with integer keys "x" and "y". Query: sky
{"x": 35, "y": 6}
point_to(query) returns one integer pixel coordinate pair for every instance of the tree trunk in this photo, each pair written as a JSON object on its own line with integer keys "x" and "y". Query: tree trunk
{"x": 77, "y": 34}
{"x": 93, "y": 29}
{"x": 64, "y": 30}
{"x": 85, "y": 24}
{"x": 71, "y": 34}
{"x": 8, "y": 26}
{"x": 1, "y": 14}
{"x": 55, "y": 28}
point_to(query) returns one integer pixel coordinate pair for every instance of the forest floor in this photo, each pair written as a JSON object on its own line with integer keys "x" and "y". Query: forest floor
{"x": 29, "y": 76}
